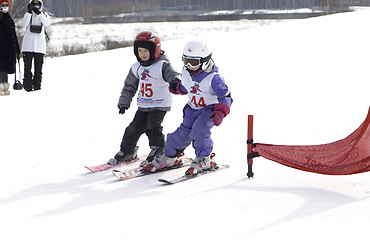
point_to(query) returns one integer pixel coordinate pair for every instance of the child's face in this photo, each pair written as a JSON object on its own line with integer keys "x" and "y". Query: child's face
{"x": 36, "y": 3}
{"x": 192, "y": 68}
{"x": 144, "y": 54}
{"x": 191, "y": 63}
{"x": 5, "y": 7}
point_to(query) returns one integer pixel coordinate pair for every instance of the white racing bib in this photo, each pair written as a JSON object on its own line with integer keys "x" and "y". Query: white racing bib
{"x": 200, "y": 94}
{"x": 153, "y": 89}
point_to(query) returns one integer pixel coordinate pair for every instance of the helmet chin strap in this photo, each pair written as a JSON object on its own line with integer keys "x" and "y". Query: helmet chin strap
{"x": 146, "y": 63}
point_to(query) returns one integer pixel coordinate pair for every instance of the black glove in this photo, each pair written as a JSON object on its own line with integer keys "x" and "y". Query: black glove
{"x": 29, "y": 8}
{"x": 122, "y": 110}
{"x": 36, "y": 10}
{"x": 173, "y": 85}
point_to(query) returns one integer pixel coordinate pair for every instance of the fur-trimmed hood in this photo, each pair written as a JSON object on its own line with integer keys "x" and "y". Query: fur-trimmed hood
{"x": 42, "y": 4}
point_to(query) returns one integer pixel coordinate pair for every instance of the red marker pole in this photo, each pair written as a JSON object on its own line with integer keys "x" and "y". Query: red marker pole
{"x": 250, "y": 146}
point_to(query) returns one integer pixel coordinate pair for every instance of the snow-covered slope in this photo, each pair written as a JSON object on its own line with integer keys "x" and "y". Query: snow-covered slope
{"x": 305, "y": 81}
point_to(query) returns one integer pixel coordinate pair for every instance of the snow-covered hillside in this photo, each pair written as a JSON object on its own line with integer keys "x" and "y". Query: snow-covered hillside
{"x": 91, "y": 36}
{"x": 305, "y": 82}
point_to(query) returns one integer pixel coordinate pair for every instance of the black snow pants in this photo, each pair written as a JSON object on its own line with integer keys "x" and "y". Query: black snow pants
{"x": 32, "y": 82}
{"x": 149, "y": 123}
{"x": 3, "y": 77}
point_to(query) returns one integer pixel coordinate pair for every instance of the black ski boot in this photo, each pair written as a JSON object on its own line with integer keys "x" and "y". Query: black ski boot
{"x": 155, "y": 151}
{"x": 121, "y": 157}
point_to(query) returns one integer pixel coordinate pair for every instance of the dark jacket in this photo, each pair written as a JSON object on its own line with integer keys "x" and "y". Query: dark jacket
{"x": 9, "y": 46}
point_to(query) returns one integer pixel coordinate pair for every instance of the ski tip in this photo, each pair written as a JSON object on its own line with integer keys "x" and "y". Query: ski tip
{"x": 164, "y": 181}
{"x": 117, "y": 174}
{"x": 89, "y": 169}
{"x": 188, "y": 177}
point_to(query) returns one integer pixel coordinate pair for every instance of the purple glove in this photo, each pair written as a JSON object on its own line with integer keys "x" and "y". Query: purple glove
{"x": 221, "y": 110}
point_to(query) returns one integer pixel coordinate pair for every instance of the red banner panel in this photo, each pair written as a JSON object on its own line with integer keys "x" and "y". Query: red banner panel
{"x": 347, "y": 156}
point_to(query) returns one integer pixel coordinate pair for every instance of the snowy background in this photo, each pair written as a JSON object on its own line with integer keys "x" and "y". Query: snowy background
{"x": 91, "y": 36}
{"x": 305, "y": 82}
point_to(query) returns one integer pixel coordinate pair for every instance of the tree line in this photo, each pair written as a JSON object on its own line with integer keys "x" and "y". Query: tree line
{"x": 89, "y": 8}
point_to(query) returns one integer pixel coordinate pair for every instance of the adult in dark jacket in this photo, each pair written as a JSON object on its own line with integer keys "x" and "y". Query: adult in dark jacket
{"x": 9, "y": 47}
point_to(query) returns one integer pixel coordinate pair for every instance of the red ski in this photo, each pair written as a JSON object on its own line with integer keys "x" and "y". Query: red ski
{"x": 188, "y": 177}
{"x": 105, "y": 166}
{"x": 139, "y": 172}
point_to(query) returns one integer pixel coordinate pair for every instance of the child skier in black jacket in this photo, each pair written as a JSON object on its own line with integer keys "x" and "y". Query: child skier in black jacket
{"x": 152, "y": 74}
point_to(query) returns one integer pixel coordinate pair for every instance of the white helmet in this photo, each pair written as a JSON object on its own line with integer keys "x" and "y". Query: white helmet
{"x": 196, "y": 53}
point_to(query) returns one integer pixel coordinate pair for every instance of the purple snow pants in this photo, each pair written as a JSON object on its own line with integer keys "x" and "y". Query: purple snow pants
{"x": 196, "y": 128}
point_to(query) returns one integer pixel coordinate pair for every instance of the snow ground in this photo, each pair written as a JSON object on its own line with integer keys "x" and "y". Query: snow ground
{"x": 305, "y": 82}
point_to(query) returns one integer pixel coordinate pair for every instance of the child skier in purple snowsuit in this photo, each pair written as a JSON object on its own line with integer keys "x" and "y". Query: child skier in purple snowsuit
{"x": 209, "y": 102}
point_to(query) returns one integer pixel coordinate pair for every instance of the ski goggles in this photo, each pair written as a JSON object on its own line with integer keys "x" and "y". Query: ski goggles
{"x": 191, "y": 61}
{"x": 4, "y": 5}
